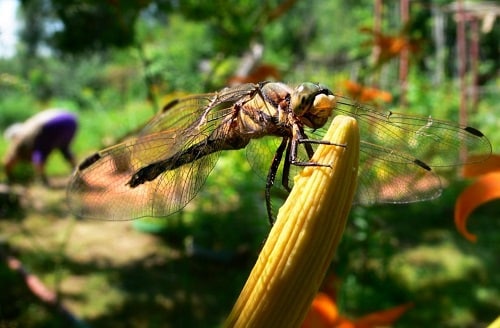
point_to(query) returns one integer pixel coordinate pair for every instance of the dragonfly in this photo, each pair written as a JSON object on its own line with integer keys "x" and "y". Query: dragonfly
{"x": 161, "y": 169}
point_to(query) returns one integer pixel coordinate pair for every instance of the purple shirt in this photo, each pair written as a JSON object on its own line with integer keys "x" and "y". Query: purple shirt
{"x": 44, "y": 132}
{"x": 55, "y": 133}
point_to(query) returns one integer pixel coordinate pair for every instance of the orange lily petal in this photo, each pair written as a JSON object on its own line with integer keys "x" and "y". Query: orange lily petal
{"x": 366, "y": 94}
{"x": 322, "y": 314}
{"x": 485, "y": 189}
{"x": 260, "y": 73}
{"x": 345, "y": 323}
{"x": 372, "y": 94}
{"x": 382, "y": 318}
{"x": 489, "y": 165}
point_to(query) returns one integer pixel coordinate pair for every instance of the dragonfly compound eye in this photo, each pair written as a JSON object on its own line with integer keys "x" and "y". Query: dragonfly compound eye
{"x": 303, "y": 97}
{"x": 313, "y": 103}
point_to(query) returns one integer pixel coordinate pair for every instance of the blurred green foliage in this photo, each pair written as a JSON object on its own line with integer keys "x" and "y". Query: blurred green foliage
{"x": 116, "y": 63}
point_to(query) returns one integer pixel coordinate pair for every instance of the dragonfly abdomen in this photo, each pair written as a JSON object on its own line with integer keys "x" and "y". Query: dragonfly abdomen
{"x": 189, "y": 155}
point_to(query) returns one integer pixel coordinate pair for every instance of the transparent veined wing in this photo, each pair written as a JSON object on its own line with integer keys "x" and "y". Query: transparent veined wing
{"x": 400, "y": 152}
{"x": 99, "y": 187}
{"x": 434, "y": 142}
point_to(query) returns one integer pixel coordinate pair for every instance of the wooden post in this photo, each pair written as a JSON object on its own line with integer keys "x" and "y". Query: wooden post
{"x": 404, "y": 8}
{"x": 474, "y": 62}
{"x": 462, "y": 67}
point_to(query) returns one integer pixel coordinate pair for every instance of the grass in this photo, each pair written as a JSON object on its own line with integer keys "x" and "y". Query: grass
{"x": 415, "y": 255}
{"x": 111, "y": 275}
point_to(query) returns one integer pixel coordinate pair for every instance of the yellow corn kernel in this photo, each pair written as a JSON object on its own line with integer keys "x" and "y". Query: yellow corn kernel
{"x": 302, "y": 243}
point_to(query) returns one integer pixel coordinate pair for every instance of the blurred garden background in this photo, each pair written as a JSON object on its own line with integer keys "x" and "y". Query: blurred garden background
{"x": 116, "y": 63}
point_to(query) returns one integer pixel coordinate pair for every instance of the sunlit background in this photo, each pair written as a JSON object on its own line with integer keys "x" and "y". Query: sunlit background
{"x": 116, "y": 63}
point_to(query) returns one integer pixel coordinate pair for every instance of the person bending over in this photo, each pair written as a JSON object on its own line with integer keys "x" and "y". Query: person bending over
{"x": 35, "y": 139}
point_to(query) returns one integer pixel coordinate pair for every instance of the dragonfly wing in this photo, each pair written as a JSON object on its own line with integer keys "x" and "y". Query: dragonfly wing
{"x": 191, "y": 118}
{"x": 399, "y": 152}
{"x": 180, "y": 114}
{"x": 384, "y": 178}
{"x": 100, "y": 189}
{"x": 100, "y": 186}
{"x": 260, "y": 153}
{"x": 435, "y": 142}
{"x": 439, "y": 143}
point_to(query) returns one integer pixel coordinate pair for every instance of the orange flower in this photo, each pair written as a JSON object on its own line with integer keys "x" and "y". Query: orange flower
{"x": 324, "y": 314}
{"x": 391, "y": 46}
{"x": 260, "y": 73}
{"x": 366, "y": 94}
{"x": 485, "y": 189}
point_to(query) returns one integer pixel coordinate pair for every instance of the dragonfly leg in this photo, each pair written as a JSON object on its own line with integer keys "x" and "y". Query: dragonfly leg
{"x": 285, "y": 178}
{"x": 272, "y": 175}
{"x": 309, "y": 149}
{"x": 299, "y": 137}
{"x": 307, "y": 144}
{"x": 292, "y": 159}
{"x": 320, "y": 142}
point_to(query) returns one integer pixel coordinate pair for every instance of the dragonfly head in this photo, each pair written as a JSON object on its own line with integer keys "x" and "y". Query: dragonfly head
{"x": 313, "y": 103}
